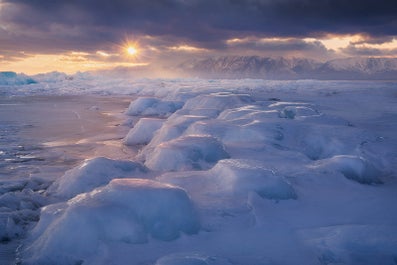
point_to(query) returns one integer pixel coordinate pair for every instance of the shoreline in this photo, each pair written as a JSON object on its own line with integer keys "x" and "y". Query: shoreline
{"x": 51, "y": 134}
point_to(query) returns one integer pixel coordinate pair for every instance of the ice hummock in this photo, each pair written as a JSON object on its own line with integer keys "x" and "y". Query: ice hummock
{"x": 130, "y": 211}
{"x": 148, "y": 106}
{"x": 93, "y": 173}
{"x": 187, "y": 153}
{"x": 143, "y": 131}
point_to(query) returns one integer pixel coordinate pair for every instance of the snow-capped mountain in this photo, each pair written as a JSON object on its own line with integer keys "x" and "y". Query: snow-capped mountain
{"x": 292, "y": 68}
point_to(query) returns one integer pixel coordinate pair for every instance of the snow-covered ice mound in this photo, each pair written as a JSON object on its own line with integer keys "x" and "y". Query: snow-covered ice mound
{"x": 94, "y": 173}
{"x": 219, "y": 101}
{"x": 243, "y": 176}
{"x": 187, "y": 153}
{"x": 124, "y": 211}
{"x": 243, "y": 133}
{"x": 352, "y": 167}
{"x": 248, "y": 113}
{"x": 147, "y": 106}
{"x": 294, "y": 110}
{"x": 230, "y": 182}
{"x": 172, "y": 128}
{"x": 143, "y": 131}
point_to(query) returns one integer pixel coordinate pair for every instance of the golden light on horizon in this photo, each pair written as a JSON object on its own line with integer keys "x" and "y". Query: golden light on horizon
{"x": 187, "y": 48}
{"x": 68, "y": 63}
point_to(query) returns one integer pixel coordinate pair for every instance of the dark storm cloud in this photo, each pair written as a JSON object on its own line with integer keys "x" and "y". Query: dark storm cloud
{"x": 87, "y": 24}
{"x": 279, "y": 45}
{"x": 352, "y": 50}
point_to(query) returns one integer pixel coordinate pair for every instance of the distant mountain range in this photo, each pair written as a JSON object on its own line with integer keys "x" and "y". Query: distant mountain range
{"x": 295, "y": 68}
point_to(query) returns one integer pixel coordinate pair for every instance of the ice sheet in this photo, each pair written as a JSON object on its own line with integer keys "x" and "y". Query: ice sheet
{"x": 278, "y": 172}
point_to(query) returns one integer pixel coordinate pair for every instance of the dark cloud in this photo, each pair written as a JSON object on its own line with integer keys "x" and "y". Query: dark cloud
{"x": 374, "y": 40}
{"x": 352, "y": 50}
{"x": 279, "y": 45}
{"x": 95, "y": 24}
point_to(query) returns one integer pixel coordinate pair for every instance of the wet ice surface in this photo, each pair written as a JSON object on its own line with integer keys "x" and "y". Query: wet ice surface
{"x": 206, "y": 172}
{"x": 41, "y": 137}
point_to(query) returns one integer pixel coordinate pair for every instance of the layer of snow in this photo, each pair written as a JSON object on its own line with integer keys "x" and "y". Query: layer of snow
{"x": 223, "y": 172}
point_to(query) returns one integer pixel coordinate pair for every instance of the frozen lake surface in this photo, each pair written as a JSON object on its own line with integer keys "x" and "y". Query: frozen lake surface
{"x": 194, "y": 171}
{"x": 43, "y": 136}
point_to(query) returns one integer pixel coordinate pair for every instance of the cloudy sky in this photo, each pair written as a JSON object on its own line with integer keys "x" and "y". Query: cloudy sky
{"x": 72, "y": 35}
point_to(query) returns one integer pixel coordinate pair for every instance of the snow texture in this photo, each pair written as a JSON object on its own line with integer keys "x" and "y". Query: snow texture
{"x": 223, "y": 172}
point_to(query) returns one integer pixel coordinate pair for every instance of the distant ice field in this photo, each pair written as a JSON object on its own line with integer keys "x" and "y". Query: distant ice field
{"x": 97, "y": 170}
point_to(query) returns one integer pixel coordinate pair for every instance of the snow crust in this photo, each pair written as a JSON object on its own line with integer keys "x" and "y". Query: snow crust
{"x": 225, "y": 172}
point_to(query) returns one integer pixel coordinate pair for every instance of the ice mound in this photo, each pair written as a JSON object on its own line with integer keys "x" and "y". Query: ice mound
{"x": 353, "y": 244}
{"x": 203, "y": 112}
{"x": 316, "y": 141}
{"x": 294, "y": 112}
{"x": 12, "y": 78}
{"x": 240, "y": 133}
{"x": 124, "y": 211}
{"x": 147, "y": 106}
{"x": 191, "y": 259}
{"x": 219, "y": 101}
{"x": 353, "y": 167}
{"x": 186, "y": 153}
{"x": 143, "y": 131}
{"x": 92, "y": 174}
{"x": 173, "y": 127}
{"x": 242, "y": 176}
{"x": 249, "y": 112}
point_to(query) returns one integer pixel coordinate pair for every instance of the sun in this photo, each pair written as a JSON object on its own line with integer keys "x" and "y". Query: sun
{"x": 131, "y": 50}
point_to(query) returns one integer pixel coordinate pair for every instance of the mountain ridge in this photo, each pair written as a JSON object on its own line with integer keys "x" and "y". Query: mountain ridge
{"x": 291, "y": 68}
